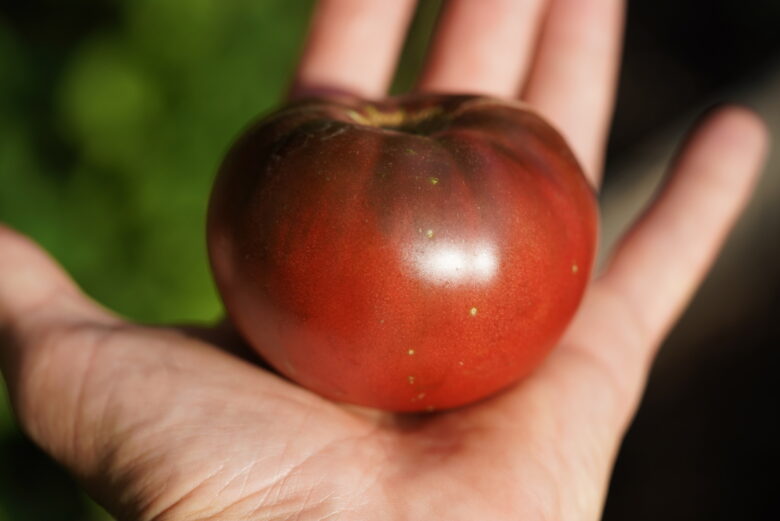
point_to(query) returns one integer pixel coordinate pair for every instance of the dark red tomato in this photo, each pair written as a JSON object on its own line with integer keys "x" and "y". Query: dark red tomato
{"x": 415, "y": 254}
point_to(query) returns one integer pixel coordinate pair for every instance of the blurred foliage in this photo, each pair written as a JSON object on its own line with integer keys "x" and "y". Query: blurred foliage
{"x": 109, "y": 162}
{"x": 114, "y": 115}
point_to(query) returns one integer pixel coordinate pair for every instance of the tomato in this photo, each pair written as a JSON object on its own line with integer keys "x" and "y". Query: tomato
{"x": 413, "y": 254}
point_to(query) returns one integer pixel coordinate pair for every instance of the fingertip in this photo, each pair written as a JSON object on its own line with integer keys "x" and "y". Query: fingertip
{"x": 7, "y": 232}
{"x": 30, "y": 278}
{"x": 728, "y": 148}
{"x": 14, "y": 243}
{"x": 739, "y": 128}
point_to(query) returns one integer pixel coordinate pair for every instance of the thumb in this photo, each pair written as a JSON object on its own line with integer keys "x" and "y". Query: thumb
{"x": 28, "y": 277}
{"x": 33, "y": 287}
{"x": 37, "y": 301}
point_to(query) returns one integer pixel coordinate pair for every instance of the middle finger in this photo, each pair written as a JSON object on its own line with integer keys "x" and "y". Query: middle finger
{"x": 482, "y": 47}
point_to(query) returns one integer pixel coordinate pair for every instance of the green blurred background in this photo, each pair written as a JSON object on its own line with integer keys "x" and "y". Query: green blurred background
{"x": 114, "y": 115}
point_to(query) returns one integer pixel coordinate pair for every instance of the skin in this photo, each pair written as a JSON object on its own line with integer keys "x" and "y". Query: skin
{"x": 413, "y": 255}
{"x": 171, "y": 424}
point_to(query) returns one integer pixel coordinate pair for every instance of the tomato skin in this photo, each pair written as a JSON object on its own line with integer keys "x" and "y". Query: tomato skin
{"x": 416, "y": 254}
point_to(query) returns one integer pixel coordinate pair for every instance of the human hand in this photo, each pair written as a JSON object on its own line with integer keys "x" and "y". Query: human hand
{"x": 169, "y": 424}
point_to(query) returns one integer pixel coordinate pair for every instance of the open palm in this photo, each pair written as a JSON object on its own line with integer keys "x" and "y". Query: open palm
{"x": 180, "y": 424}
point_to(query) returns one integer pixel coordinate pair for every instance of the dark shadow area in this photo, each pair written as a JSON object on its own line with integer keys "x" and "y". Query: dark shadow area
{"x": 34, "y": 487}
{"x": 681, "y": 54}
{"x": 705, "y": 437}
